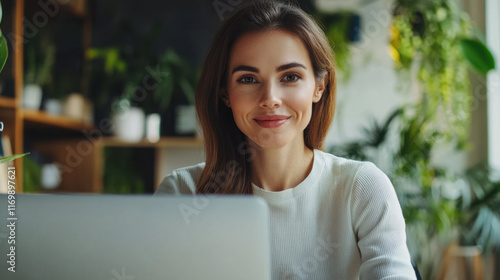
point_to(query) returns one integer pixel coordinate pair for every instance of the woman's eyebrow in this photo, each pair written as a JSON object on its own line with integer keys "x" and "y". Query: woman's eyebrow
{"x": 245, "y": 68}
{"x": 278, "y": 69}
{"x": 288, "y": 66}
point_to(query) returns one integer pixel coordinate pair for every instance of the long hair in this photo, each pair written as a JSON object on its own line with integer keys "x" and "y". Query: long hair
{"x": 227, "y": 166}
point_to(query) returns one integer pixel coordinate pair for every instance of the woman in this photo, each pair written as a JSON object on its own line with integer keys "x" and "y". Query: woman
{"x": 265, "y": 101}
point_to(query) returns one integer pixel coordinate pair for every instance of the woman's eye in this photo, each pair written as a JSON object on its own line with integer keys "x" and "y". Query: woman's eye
{"x": 291, "y": 78}
{"x": 247, "y": 80}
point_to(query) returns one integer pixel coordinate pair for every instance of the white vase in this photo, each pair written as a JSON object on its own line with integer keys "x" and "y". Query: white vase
{"x": 74, "y": 106}
{"x": 51, "y": 176}
{"x": 153, "y": 127}
{"x": 185, "y": 121}
{"x": 54, "y": 106}
{"x": 32, "y": 96}
{"x": 78, "y": 107}
{"x": 128, "y": 125}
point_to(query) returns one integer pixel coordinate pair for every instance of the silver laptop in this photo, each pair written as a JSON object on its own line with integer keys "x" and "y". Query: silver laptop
{"x": 120, "y": 237}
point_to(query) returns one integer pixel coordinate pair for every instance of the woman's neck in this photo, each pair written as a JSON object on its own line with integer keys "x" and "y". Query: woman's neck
{"x": 282, "y": 168}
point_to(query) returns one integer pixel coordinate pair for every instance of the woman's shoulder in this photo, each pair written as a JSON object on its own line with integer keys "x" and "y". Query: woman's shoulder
{"x": 344, "y": 166}
{"x": 358, "y": 174}
{"x": 182, "y": 180}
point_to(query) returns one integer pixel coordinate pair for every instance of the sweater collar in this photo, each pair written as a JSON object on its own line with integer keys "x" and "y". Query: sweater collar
{"x": 301, "y": 188}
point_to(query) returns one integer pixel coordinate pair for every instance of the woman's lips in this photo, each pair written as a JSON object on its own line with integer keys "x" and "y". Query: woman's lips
{"x": 271, "y": 121}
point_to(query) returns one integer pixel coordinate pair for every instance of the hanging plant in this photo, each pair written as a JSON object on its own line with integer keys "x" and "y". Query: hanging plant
{"x": 428, "y": 37}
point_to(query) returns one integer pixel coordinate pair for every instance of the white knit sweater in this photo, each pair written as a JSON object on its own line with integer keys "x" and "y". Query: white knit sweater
{"x": 342, "y": 222}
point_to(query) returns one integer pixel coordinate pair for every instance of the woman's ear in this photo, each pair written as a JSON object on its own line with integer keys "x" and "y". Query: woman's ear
{"x": 320, "y": 88}
{"x": 225, "y": 97}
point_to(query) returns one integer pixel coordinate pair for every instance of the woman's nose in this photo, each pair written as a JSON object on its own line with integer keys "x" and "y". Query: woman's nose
{"x": 270, "y": 97}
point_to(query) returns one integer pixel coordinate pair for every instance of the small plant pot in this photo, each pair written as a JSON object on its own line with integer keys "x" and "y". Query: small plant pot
{"x": 32, "y": 96}
{"x": 79, "y": 108}
{"x": 153, "y": 127}
{"x": 51, "y": 176}
{"x": 185, "y": 120}
{"x": 128, "y": 125}
{"x": 462, "y": 262}
{"x": 54, "y": 106}
{"x": 74, "y": 106}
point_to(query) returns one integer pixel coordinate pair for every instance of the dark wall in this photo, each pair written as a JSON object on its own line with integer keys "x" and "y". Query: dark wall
{"x": 188, "y": 26}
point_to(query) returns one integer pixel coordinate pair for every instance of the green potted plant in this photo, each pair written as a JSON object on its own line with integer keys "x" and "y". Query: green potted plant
{"x": 176, "y": 93}
{"x": 436, "y": 40}
{"x": 128, "y": 120}
{"x": 127, "y": 75}
{"x": 40, "y": 57}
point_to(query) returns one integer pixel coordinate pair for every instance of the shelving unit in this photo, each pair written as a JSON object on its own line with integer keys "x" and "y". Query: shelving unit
{"x": 19, "y": 121}
{"x": 6, "y": 102}
{"x": 35, "y": 117}
{"x": 80, "y": 159}
{"x": 82, "y": 162}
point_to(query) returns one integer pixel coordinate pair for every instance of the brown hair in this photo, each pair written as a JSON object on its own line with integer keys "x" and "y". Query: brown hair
{"x": 228, "y": 169}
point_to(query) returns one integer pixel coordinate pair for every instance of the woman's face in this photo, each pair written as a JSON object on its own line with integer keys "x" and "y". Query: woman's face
{"x": 271, "y": 88}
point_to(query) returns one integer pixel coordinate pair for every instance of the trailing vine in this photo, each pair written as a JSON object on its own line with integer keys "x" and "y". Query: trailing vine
{"x": 426, "y": 38}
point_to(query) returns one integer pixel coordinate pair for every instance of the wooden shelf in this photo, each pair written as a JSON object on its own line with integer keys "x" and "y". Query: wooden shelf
{"x": 165, "y": 142}
{"x": 42, "y": 118}
{"x": 7, "y": 102}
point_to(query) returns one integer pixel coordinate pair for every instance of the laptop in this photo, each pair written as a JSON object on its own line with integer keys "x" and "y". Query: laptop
{"x": 129, "y": 237}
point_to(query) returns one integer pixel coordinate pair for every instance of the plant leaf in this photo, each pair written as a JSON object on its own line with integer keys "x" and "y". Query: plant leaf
{"x": 9, "y": 158}
{"x": 1, "y": 12}
{"x": 478, "y": 55}
{"x": 4, "y": 51}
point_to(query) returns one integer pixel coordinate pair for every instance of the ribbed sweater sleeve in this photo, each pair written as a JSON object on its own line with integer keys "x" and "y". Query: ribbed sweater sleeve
{"x": 379, "y": 225}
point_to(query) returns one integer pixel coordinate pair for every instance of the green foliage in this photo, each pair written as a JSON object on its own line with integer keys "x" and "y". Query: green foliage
{"x": 478, "y": 55}
{"x": 429, "y": 37}
{"x": 125, "y": 69}
{"x": 337, "y": 27}
{"x": 437, "y": 203}
{"x": 113, "y": 63}
{"x": 181, "y": 78}
{"x": 40, "y": 55}
{"x": 120, "y": 176}
{"x": 10, "y": 158}
{"x": 32, "y": 178}
{"x": 481, "y": 215}
{"x": 432, "y": 40}
{"x": 4, "y": 51}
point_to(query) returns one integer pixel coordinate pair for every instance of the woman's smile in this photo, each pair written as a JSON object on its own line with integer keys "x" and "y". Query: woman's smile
{"x": 271, "y": 121}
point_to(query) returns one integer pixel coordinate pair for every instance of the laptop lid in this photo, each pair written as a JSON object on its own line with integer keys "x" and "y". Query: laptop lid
{"x": 125, "y": 237}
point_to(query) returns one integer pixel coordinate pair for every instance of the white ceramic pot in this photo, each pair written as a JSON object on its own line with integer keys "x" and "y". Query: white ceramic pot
{"x": 153, "y": 127}
{"x": 128, "y": 125}
{"x": 74, "y": 106}
{"x": 51, "y": 176}
{"x": 32, "y": 96}
{"x": 54, "y": 106}
{"x": 185, "y": 122}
